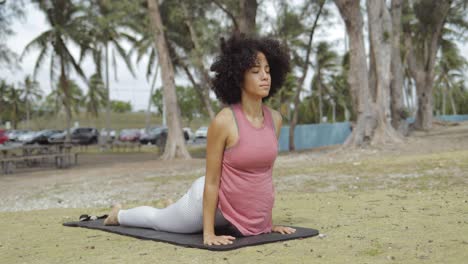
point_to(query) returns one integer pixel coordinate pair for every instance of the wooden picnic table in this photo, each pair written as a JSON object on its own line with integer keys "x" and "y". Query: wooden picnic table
{"x": 35, "y": 155}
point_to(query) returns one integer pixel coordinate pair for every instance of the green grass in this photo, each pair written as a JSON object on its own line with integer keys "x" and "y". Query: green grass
{"x": 364, "y": 227}
{"x": 385, "y": 209}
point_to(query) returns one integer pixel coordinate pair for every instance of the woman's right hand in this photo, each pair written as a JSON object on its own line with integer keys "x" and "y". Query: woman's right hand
{"x": 217, "y": 240}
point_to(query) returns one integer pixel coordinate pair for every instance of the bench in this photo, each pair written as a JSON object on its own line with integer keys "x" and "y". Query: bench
{"x": 61, "y": 160}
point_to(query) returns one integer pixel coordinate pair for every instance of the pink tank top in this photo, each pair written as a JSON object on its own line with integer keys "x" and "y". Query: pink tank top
{"x": 246, "y": 192}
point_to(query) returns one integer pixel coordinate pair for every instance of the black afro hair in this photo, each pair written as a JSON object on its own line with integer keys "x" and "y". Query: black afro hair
{"x": 238, "y": 54}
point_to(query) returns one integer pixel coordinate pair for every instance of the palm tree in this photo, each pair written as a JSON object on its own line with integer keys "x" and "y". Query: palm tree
{"x": 186, "y": 43}
{"x": 175, "y": 146}
{"x": 96, "y": 98}
{"x": 31, "y": 93}
{"x": 449, "y": 71}
{"x": 107, "y": 21}
{"x": 3, "y": 100}
{"x": 74, "y": 100}
{"x": 9, "y": 11}
{"x": 292, "y": 28}
{"x": 325, "y": 64}
{"x": 14, "y": 103}
{"x": 144, "y": 47}
{"x": 66, "y": 21}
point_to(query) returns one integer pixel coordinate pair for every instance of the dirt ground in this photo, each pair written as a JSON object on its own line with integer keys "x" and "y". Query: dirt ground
{"x": 404, "y": 203}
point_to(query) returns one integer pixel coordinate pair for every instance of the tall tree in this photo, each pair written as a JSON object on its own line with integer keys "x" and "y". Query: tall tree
{"x": 14, "y": 103}
{"x": 9, "y": 11}
{"x": 107, "y": 22}
{"x": 247, "y": 16}
{"x": 380, "y": 27}
{"x": 396, "y": 85}
{"x": 373, "y": 97}
{"x": 422, "y": 41}
{"x": 304, "y": 67}
{"x": 325, "y": 62}
{"x": 66, "y": 23}
{"x": 96, "y": 98}
{"x": 242, "y": 13}
{"x": 357, "y": 77}
{"x": 175, "y": 146}
{"x": 31, "y": 92}
{"x": 449, "y": 72}
{"x": 197, "y": 55}
{"x": 74, "y": 101}
{"x": 3, "y": 100}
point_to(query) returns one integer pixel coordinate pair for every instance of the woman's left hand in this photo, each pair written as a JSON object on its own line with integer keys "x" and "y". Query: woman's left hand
{"x": 283, "y": 230}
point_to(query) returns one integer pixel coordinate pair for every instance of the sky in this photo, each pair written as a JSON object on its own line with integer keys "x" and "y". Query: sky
{"x": 127, "y": 88}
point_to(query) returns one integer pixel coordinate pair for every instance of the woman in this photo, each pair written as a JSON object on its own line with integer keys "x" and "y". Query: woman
{"x": 242, "y": 145}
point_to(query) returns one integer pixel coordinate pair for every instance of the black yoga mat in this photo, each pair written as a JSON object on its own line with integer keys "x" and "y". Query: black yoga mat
{"x": 194, "y": 240}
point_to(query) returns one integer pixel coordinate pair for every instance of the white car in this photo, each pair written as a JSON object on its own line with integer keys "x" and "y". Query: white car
{"x": 28, "y": 136}
{"x": 201, "y": 132}
{"x": 103, "y": 133}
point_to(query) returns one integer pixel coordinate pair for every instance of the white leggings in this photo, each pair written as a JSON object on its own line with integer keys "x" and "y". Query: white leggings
{"x": 184, "y": 216}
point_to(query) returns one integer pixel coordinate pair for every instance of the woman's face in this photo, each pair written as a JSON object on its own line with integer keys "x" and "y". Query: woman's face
{"x": 257, "y": 80}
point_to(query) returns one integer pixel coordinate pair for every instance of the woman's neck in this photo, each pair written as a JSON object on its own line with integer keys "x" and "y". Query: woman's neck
{"x": 252, "y": 107}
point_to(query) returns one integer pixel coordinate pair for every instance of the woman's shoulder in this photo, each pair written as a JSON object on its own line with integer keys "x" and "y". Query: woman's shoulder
{"x": 276, "y": 115}
{"x": 223, "y": 119}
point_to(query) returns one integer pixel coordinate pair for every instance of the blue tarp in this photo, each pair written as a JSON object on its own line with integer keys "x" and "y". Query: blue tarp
{"x": 450, "y": 118}
{"x": 326, "y": 134}
{"x": 315, "y": 135}
{"x": 453, "y": 118}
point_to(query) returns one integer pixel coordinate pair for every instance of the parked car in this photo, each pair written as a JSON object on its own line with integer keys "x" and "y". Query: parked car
{"x": 42, "y": 137}
{"x": 201, "y": 132}
{"x": 3, "y": 136}
{"x": 13, "y": 135}
{"x": 26, "y": 137}
{"x": 156, "y": 136}
{"x": 112, "y": 133}
{"x": 129, "y": 135}
{"x": 85, "y": 135}
{"x": 57, "y": 138}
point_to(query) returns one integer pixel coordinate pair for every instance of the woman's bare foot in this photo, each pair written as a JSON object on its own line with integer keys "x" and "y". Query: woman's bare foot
{"x": 112, "y": 219}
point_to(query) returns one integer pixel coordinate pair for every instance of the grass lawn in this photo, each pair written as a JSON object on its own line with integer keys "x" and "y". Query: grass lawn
{"x": 396, "y": 204}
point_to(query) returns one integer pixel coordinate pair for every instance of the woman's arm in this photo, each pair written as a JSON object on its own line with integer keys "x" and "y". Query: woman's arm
{"x": 216, "y": 140}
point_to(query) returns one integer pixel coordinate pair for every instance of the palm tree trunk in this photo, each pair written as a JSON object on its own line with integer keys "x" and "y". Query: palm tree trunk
{"x": 175, "y": 144}
{"x": 380, "y": 24}
{"x": 334, "y": 110}
{"x": 200, "y": 92}
{"x": 444, "y": 100}
{"x": 150, "y": 97}
{"x": 358, "y": 78}
{"x": 421, "y": 64}
{"x": 396, "y": 85}
{"x": 66, "y": 102}
{"x": 247, "y": 15}
{"x": 320, "y": 100}
{"x": 205, "y": 87}
{"x": 108, "y": 101}
{"x": 27, "y": 114}
{"x": 452, "y": 101}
